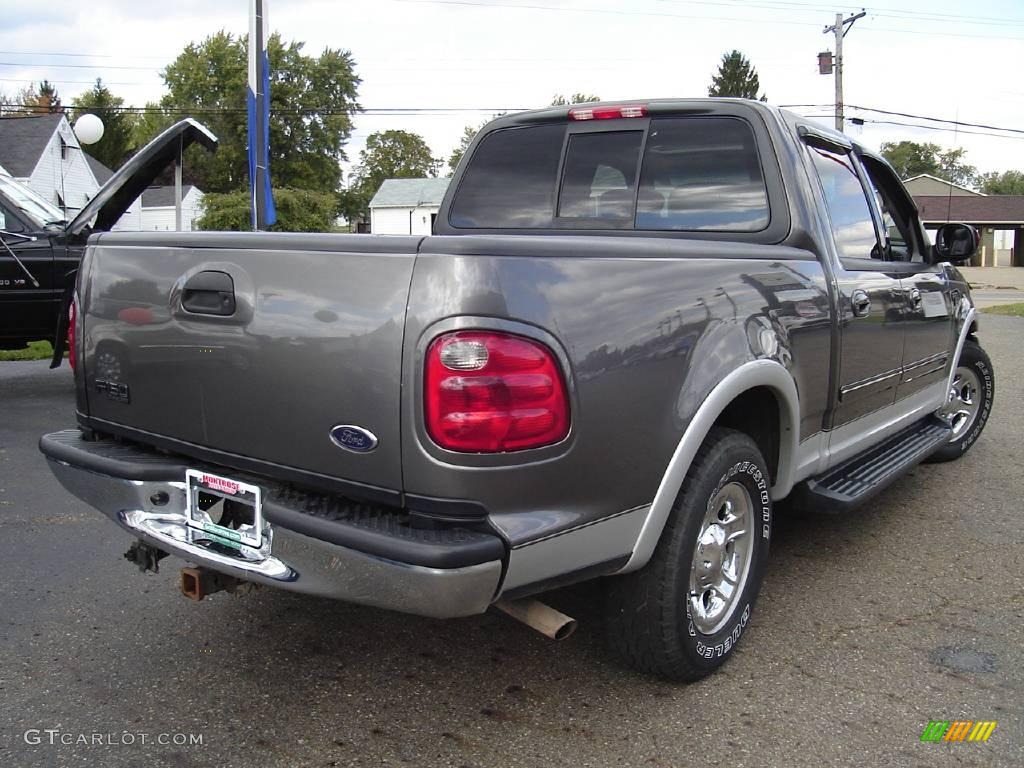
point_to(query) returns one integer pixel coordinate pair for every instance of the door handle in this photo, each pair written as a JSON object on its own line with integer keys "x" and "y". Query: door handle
{"x": 861, "y": 303}
{"x": 915, "y": 298}
{"x": 209, "y": 293}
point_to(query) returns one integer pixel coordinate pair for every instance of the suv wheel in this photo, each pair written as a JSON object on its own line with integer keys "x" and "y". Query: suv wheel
{"x": 681, "y": 616}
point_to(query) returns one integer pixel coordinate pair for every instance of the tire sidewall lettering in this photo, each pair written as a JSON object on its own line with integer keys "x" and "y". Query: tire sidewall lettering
{"x": 747, "y": 473}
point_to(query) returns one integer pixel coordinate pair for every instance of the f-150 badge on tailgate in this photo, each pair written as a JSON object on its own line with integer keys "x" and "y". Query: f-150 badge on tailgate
{"x": 353, "y": 438}
{"x": 114, "y": 390}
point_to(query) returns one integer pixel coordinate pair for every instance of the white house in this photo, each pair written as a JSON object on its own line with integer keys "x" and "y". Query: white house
{"x": 42, "y": 152}
{"x": 158, "y": 208}
{"x": 406, "y": 206}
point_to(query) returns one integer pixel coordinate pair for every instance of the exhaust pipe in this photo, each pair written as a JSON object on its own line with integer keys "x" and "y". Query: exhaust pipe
{"x": 197, "y": 583}
{"x": 541, "y": 617}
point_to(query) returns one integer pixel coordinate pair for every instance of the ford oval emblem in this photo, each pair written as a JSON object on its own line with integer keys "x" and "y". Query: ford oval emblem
{"x": 353, "y": 438}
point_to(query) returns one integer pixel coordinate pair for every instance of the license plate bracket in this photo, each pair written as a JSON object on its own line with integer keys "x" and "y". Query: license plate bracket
{"x": 230, "y": 512}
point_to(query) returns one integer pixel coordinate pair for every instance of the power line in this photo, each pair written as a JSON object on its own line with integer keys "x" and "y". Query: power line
{"x": 27, "y": 64}
{"x": 454, "y": 111}
{"x": 82, "y": 55}
{"x": 921, "y": 126}
{"x": 906, "y": 114}
{"x": 301, "y": 111}
{"x": 879, "y": 11}
{"x": 662, "y": 14}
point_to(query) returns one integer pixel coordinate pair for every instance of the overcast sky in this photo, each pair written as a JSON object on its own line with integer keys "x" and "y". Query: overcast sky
{"x": 951, "y": 60}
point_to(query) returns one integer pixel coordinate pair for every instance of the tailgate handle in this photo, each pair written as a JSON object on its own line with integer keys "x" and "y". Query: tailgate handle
{"x": 209, "y": 293}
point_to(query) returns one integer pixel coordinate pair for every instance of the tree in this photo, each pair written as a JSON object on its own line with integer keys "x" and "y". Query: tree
{"x": 7, "y": 104}
{"x": 577, "y": 98}
{"x": 468, "y": 134}
{"x": 388, "y": 155}
{"x": 298, "y": 210}
{"x": 116, "y": 145}
{"x": 41, "y": 99}
{"x": 312, "y": 99}
{"x": 1005, "y": 183}
{"x": 736, "y": 77}
{"x": 911, "y": 158}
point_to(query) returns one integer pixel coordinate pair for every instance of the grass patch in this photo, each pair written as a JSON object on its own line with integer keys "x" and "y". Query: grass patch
{"x": 1013, "y": 310}
{"x": 36, "y": 350}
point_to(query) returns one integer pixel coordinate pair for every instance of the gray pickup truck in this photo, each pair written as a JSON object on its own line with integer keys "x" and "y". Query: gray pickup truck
{"x": 635, "y": 328}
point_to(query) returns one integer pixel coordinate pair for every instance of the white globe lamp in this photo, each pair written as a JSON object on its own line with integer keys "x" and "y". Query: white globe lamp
{"x": 89, "y": 129}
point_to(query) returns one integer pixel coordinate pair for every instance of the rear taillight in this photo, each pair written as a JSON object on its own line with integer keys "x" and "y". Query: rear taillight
{"x": 608, "y": 112}
{"x": 72, "y": 314}
{"x": 487, "y": 392}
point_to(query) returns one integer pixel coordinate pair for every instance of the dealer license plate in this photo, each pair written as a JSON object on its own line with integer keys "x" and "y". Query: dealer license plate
{"x": 230, "y": 512}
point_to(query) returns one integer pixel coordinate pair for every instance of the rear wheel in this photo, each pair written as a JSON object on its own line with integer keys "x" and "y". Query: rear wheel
{"x": 681, "y": 616}
{"x": 970, "y": 401}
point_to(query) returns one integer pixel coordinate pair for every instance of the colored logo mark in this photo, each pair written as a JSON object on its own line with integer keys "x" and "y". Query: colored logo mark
{"x": 958, "y": 730}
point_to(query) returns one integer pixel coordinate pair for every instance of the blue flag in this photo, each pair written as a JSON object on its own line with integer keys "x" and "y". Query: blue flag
{"x": 263, "y": 213}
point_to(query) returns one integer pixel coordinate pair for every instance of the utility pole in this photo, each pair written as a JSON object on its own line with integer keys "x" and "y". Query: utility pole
{"x": 840, "y": 28}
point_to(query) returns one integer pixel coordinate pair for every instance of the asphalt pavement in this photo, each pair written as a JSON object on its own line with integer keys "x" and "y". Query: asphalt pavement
{"x": 869, "y": 626}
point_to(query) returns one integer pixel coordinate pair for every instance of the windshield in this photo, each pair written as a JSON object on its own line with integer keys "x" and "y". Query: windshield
{"x": 30, "y": 203}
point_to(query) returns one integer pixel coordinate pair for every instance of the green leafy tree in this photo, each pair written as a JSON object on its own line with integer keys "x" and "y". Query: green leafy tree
{"x": 468, "y": 134}
{"x": 312, "y": 100}
{"x": 736, "y": 77}
{"x": 298, "y": 210}
{"x": 116, "y": 145}
{"x": 1005, "y": 183}
{"x": 911, "y": 158}
{"x": 150, "y": 121}
{"x": 387, "y": 155}
{"x": 560, "y": 100}
{"x": 41, "y": 99}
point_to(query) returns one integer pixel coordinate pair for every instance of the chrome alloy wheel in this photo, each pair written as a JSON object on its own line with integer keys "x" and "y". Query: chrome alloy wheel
{"x": 721, "y": 558}
{"x": 964, "y": 402}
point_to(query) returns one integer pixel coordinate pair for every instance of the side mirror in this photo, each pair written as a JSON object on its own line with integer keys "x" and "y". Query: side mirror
{"x": 955, "y": 242}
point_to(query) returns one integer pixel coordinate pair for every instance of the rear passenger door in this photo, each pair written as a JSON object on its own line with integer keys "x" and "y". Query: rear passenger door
{"x": 871, "y": 297}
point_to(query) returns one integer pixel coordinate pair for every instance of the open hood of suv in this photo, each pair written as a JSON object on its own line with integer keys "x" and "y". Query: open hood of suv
{"x": 132, "y": 178}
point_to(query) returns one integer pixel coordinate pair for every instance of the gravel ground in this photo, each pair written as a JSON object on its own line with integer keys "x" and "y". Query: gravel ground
{"x": 869, "y": 626}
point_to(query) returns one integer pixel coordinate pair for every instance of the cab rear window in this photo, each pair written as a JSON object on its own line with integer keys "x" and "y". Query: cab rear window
{"x": 510, "y": 183}
{"x": 681, "y": 174}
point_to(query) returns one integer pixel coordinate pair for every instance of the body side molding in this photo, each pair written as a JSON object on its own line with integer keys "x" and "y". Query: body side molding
{"x": 756, "y": 373}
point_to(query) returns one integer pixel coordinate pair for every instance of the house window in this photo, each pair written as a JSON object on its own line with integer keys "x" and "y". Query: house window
{"x": 63, "y": 151}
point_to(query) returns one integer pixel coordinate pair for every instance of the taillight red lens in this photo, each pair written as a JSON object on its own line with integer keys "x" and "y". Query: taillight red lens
{"x": 72, "y": 314}
{"x": 488, "y": 392}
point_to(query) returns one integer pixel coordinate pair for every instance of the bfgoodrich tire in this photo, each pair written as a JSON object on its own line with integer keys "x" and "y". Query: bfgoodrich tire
{"x": 681, "y": 616}
{"x": 970, "y": 401}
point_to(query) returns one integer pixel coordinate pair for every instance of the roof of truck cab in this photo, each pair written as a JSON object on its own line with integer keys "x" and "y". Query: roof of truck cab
{"x": 654, "y": 106}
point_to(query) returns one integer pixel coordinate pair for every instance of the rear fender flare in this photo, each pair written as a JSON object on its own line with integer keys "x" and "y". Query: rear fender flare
{"x": 757, "y": 373}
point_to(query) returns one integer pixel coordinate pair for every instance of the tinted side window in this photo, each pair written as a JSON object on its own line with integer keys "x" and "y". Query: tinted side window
{"x": 702, "y": 173}
{"x": 510, "y": 182}
{"x": 9, "y": 222}
{"x": 599, "y": 176}
{"x": 852, "y": 225}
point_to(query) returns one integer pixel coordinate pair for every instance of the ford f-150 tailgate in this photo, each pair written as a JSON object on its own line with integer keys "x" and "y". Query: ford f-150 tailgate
{"x": 257, "y": 347}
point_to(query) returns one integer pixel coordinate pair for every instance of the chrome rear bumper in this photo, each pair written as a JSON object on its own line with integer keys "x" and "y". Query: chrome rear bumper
{"x": 287, "y": 559}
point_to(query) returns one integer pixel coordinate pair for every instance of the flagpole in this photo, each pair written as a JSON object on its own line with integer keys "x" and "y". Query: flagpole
{"x": 260, "y": 182}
